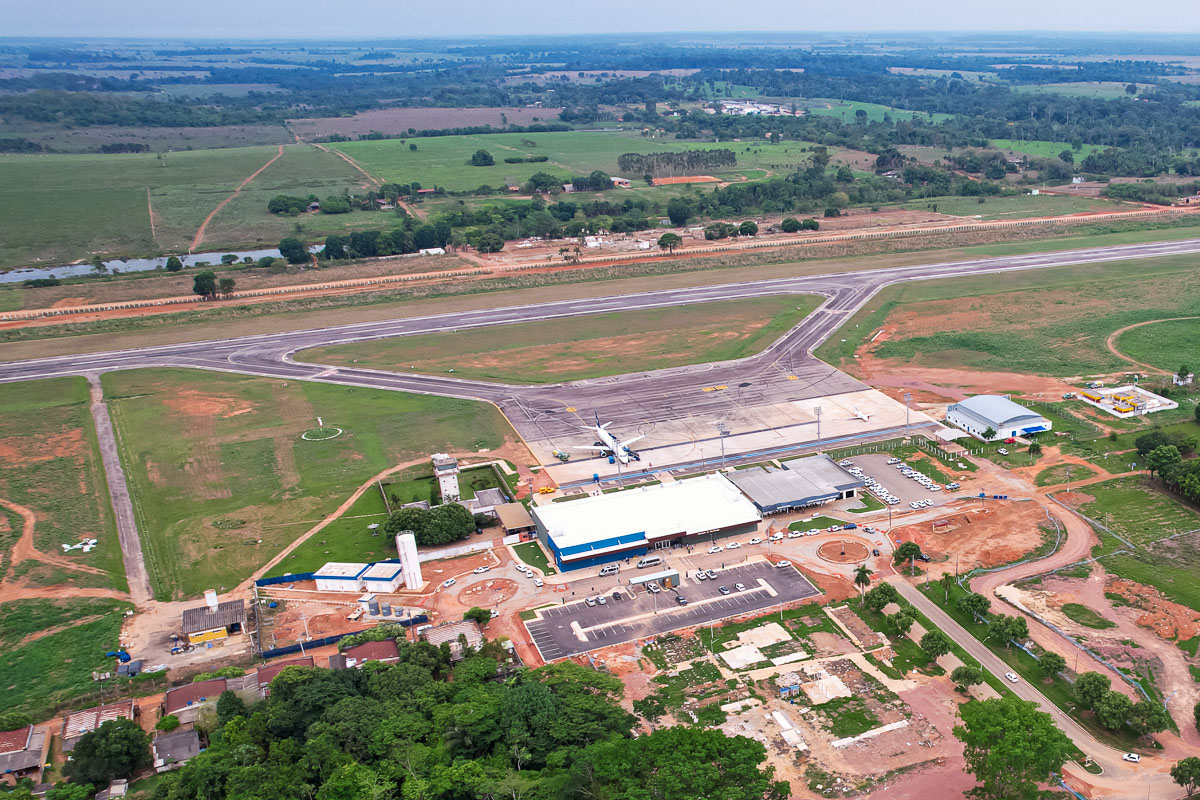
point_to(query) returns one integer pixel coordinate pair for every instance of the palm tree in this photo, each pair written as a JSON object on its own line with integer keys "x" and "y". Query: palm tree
{"x": 862, "y": 578}
{"x": 947, "y": 582}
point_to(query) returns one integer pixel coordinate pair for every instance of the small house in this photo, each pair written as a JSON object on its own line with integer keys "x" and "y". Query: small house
{"x": 384, "y": 651}
{"x": 77, "y": 723}
{"x": 186, "y": 702}
{"x": 214, "y": 622}
{"x": 454, "y": 634}
{"x": 515, "y": 519}
{"x": 172, "y": 750}
{"x": 266, "y": 673}
{"x": 23, "y": 753}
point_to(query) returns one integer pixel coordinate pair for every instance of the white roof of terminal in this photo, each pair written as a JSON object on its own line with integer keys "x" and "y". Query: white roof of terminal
{"x": 688, "y": 506}
{"x": 340, "y": 569}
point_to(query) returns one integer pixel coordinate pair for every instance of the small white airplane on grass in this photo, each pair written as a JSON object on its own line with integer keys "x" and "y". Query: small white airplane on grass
{"x": 609, "y": 446}
{"x": 861, "y": 415}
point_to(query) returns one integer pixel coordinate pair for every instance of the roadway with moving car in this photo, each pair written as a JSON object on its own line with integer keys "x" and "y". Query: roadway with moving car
{"x": 785, "y": 372}
{"x": 578, "y": 627}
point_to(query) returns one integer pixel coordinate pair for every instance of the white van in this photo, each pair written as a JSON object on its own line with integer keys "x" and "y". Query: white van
{"x": 609, "y": 569}
{"x": 649, "y": 561}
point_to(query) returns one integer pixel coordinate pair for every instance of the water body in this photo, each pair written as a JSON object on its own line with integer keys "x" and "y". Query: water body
{"x": 132, "y": 265}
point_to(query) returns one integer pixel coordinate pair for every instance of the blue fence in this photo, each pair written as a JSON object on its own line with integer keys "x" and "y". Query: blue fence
{"x": 296, "y": 576}
{"x": 296, "y": 648}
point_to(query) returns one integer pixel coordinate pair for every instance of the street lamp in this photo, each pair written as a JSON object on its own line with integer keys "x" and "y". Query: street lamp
{"x": 907, "y": 400}
{"x": 817, "y": 411}
{"x": 722, "y": 431}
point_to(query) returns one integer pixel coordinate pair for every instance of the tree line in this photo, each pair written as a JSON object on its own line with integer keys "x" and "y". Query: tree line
{"x": 688, "y": 162}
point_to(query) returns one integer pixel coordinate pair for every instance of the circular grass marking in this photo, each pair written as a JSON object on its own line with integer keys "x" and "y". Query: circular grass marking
{"x": 320, "y": 434}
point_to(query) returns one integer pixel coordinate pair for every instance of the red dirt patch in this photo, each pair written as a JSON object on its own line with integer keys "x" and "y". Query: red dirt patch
{"x": 997, "y": 535}
{"x": 33, "y": 449}
{"x": 1169, "y": 620}
{"x": 198, "y": 404}
{"x": 843, "y": 552}
{"x": 488, "y": 593}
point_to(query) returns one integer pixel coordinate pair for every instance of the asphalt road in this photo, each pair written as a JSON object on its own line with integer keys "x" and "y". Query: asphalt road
{"x": 576, "y": 627}
{"x": 539, "y": 412}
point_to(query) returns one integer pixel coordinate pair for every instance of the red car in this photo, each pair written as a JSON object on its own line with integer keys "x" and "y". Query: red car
{"x": 1010, "y": 440}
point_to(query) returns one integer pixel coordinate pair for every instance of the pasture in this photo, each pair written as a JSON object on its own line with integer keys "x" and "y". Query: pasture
{"x": 1044, "y": 149}
{"x": 61, "y": 208}
{"x": 585, "y": 347}
{"x": 50, "y": 465}
{"x": 1015, "y": 206}
{"x": 847, "y": 111}
{"x": 1167, "y": 345}
{"x": 1099, "y": 90}
{"x": 51, "y": 648}
{"x": 222, "y": 480}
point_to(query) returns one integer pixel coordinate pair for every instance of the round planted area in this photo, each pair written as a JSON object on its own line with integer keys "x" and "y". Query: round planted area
{"x": 320, "y": 434}
{"x": 843, "y": 552}
{"x": 488, "y": 593}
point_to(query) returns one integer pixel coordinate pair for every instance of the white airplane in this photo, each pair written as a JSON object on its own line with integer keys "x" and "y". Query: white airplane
{"x": 609, "y": 446}
{"x": 861, "y": 415}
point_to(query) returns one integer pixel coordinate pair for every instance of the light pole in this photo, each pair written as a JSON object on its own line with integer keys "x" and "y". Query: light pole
{"x": 722, "y": 432}
{"x": 817, "y": 411}
{"x": 907, "y": 400}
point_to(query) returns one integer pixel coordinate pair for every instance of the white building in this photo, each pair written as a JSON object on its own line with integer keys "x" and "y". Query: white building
{"x": 1006, "y": 418}
{"x": 384, "y": 577}
{"x": 339, "y": 576}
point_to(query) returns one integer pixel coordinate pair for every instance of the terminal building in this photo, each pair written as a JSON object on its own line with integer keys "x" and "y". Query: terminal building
{"x": 1006, "y": 419}
{"x": 803, "y": 482}
{"x": 629, "y": 523}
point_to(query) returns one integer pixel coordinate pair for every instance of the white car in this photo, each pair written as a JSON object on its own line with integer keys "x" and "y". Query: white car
{"x": 538, "y": 582}
{"x": 845, "y": 463}
{"x": 777, "y": 537}
{"x": 530, "y": 574}
{"x": 782, "y": 564}
{"x": 914, "y": 504}
{"x": 812, "y": 531}
{"x": 795, "y": 534}
{"x": 700, "y": 576}
{"x": 1011, "y": 677}
{"x": 481, "y": 570}
{"x": 892, "y": 461}
{"x": 523, "y": 568}
{"x": 716, "y": 548}
{"x": 732, "y": 546}
{"x": 653, "y": 588}
{"x": 448, "y": 583}
{"x": 953, "y": 486}
{"x": 1132, "y": 758}
{"x": 755, "y": 540}
{"x": 1002, "y": 451}
{"x": 741, "y": 587}
{"x": 835, "y": 527}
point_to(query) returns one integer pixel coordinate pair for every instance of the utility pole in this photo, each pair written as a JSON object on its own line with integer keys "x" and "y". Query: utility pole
{"x": 722, "y": 432}
{"x": 817, "y": 411}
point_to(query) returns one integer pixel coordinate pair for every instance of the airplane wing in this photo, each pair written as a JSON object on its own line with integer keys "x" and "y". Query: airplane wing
{"x": 628, "y": 442}
{"x": 604, "y": 449}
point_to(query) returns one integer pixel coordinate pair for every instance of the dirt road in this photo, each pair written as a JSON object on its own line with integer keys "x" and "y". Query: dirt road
{"x": 118, "y": 492}
{"x": 199, "y": 237}
{"x": 1111, "y": 343}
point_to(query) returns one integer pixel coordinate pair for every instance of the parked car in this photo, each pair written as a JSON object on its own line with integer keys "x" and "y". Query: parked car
{"x": 755, "y": 540}
{"x": 1011, "y": 677}
{"x": 924, "y": 557}
{"x": 953, "y": 486}
{"x": 723, "y": 589}
{"x": 777, "y": 537}
{"x": 681, "y": 600}
{"x": 741, "y": 587}
{"x": 618, "y": 596}
{"x": 591, "y": 601}
{"x": 834, "y": 528}
{"x": 538, "y": 582}
{"x": 732, "y": 546}
{"x": 1010, "y": 440}
{"x": 448, "y": 583}
{"x": 875, "y": 552}
{"x": 716, "y": 548}
{"x": 530, "y": 574}
{"x": 1002, "y": 451}
{"x": 481, "y": 570}
{"x": 812, "y": 531}
{"x": 795, "y": 534}
{"x": 653, "y": 588}
{"x": 782, "y": 564}
{"x": 700, "y": 576}
{"x": 602, "y": 600}
{"x": 711, "y": 574}
{"x": 1133, "y": 758}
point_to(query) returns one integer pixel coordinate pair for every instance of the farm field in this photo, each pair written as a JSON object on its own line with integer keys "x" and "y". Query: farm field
{"x": 50, "y": 465}
{"x": 51, "y": 649}
{"x": 588, "y": 347}
{"x": 1016, "y": 206}
{"x": 222, "y": 480}
{"x": 1146, "y": 516}
{"x": 158, "y": 139}
{"x": 846, "y": 111}
{"x": 1064, "y": 318}
{"x": 442, "y": 161}
{"x": 1101, "y": 90}
{"x": 1044, "y": 149}
{"x": 398, "y": 121}
{"x": 1166, "y": 345}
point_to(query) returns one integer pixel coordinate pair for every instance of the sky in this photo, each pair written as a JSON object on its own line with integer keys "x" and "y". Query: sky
{"x": 364, "y": 19}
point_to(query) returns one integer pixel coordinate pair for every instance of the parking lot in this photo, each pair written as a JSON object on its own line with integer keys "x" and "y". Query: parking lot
{"x": 875, "y": 465}
{"x": 576, "y": 627}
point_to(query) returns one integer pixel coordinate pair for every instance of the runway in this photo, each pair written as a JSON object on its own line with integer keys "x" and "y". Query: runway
{"x": 778, "y": 377}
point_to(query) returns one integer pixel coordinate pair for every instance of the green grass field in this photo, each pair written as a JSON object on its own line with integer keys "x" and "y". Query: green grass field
{"x": 1086, "y": 616}
{"x": 1166, "y": 345}
{"x": 1052, "y": 476}
{"x": 1015, "y": 206}
{"x": 54, "y": 668}
{"x": 533, "y": 555}
{"x": 1136, "y": 511}
{"x": 222, "y": 481}
{"x": 443, "y": 160}
{"x": 50, "y": 464}
{"x": 60, "y": 208}
{"x": 585, "y": 347}
{"x": 1100, "y": 90}
{"x": 1044, "y": 149}
{"x": 1048, "y": 322}
{"x": 846, "y": 111}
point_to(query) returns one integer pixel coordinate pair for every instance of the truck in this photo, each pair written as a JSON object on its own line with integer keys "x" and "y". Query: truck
{"x": 1094, "y": 384}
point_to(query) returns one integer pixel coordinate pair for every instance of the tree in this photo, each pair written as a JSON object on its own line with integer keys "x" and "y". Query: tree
{"x": 481, "y": 615}
{"x": 205, "y": 283}
{"x": 1051, "y": 663}
{"x": 880, "y": 596}
{"x": 1067, "y": 156}
{"x": 116, "y": 749}
{"x": 335, "y": 205}
{"x": 1163, "y": 459}
{"x": 748, "y": 228}
{"x": 229, "y": 705}
{"x": 174, "y": 264}
{"x": 1196, "y": 715}
{"x": 293, "y": 250}
{"x": 789, "y": 225}
{"x": 935, "y": 643}
{"x": 669, "y": 241}
{"x": 678, "y": 211}
{"x": 1006, "y": 628}
{"x": 1113, "y": 709}
{"x": 225, "y": 286}
{"x": 974, "y": 604}
{"x": 1131, "y": 89}
{"x": 482, "y": 158}
{"x": 1146, "y": 717}
{"x": 967, "y": 676}
{"x": 1187, "y": 774}
{"x": 1090, "y": 688}
{"x": 228, "y": 258}
{"x": 810, "y": 224}
{"x": 335, "y": 248}
{"x": 490, "y": 242}
{"x": 989, "y": 433}
{"x": 906, "y": 552}
{"x": 947, "y": 581}
{"x": 1035, "y": 450}
{"x": 900, "y": 622}
{"x": 168, "y": 723}
{"x": 862, "y": 578}
{"x": 1010, "y": 747}
{"x": 11, "y": 720}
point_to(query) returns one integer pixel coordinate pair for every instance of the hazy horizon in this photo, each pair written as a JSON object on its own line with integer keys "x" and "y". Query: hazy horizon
{"x": 376, "y": 19}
